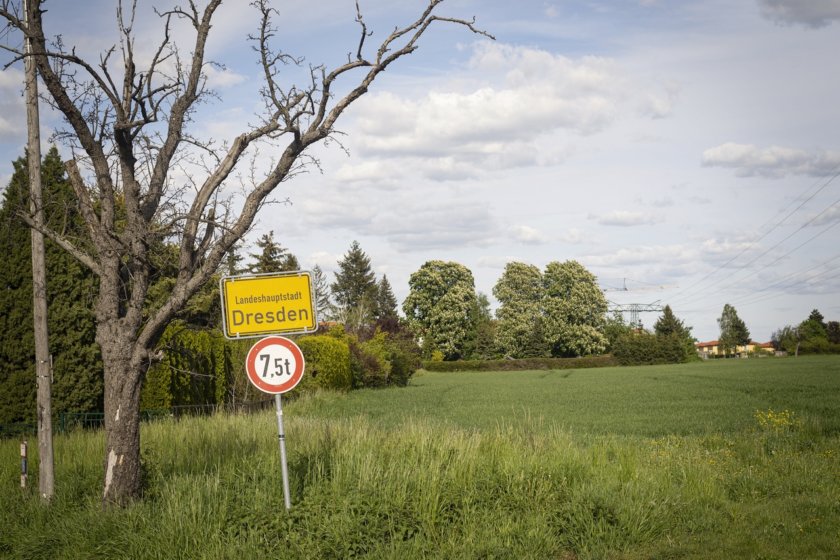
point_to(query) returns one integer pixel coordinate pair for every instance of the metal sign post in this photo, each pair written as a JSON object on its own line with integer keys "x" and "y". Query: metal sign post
{"x": 284, "y": 464}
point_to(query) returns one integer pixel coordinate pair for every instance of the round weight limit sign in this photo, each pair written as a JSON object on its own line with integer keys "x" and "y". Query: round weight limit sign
{"x": 274, "y": 365}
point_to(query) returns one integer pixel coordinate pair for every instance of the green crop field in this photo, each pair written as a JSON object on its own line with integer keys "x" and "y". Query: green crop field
{"x": 724, "y": 459}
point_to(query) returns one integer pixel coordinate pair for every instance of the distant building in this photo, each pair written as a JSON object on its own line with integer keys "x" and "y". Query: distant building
{"x": 712, "y": 349}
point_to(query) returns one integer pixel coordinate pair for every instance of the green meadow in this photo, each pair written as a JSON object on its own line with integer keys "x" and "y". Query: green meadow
{"x": 721, "y": 459}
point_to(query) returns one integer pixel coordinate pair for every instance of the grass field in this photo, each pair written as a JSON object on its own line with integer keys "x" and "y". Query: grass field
{"x": 725, "y": 459}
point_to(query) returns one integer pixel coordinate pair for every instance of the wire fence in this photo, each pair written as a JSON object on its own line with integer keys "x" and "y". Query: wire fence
{"x": 69, "y": 421}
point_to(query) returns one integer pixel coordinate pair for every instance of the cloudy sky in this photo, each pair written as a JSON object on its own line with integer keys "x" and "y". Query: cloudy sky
{"x": 685, "y": 152}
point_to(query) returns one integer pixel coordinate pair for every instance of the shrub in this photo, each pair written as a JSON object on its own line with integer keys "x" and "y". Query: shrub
{"x": 384, "y": 358}
{"x": 644, "y": 348}
{"x": 818, "y": 346}
{"x": 404, "y": 355}
{"x": 372, "y": 367}
{"x": 327, "y": 362}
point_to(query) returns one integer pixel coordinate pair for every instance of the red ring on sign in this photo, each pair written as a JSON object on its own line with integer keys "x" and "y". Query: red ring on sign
{"x": 251, "y": 365}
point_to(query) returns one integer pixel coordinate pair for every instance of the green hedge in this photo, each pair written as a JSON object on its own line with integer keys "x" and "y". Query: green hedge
{"x": 522, "y": 364}
{"x": 327, "y": 362}
{"x": 186, "y": 352}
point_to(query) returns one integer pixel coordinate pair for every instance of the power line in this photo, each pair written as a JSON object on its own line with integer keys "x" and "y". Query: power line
{"x": 835, "y": 224}
{"x": 778, "y": 224}
{"x": 787, "y": 282}
{"x": 800, "y": 228}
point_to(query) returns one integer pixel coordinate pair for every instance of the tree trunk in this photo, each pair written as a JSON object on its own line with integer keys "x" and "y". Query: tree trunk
{"x": 122, "y": 418}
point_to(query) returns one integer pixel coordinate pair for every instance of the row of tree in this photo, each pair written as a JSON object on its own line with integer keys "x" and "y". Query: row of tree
{"x": 367, "y": 348}
{"x": 556, "y": 312}
{"x": 814, "y": 335}
{"x": 195, "y": 364}
{"x": 670, "y": 342}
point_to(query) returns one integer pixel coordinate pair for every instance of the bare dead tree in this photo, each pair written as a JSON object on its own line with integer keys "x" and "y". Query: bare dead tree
{"x": 128, "y": 129}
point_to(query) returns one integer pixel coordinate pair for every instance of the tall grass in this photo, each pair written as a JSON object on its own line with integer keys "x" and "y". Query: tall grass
{"x": 419, "y": 486}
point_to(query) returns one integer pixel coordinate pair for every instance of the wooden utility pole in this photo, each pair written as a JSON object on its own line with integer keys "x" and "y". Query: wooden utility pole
{"x": 43, "y": 363}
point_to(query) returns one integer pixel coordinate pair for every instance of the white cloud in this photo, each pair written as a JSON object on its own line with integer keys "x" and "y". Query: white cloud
{"x": 528, "y": 235}
{"x": 11, "y": 79}
{"x": 811, "y": 13}
{"x": 368, "y": 172}
{"x": 664, "y": 202}
{"x": 643, "y": 255}
{"x": 505, "y": 111}
{"x": 327, "y": 261}
{"x": 409, "y": 220}
{"x": 336, "y": 212}
{"x": 775, "y": 162}
{"x": 829, "y": 216}
{"x": 436, "y": 225}
{"x": 624, "y": 218}
{"x": 572, "y": 236}
{"x": 9, "y": 128}
{"x": 718, "y": 251}
{"x": 660, "y": 104}
{"x": 495, "y": 263}
{"x": 696, "y": 199}
{"x": 222, "y": 77}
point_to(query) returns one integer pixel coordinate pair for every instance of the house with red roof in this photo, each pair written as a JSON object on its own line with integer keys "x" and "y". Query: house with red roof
{"x": 712, "y": 349}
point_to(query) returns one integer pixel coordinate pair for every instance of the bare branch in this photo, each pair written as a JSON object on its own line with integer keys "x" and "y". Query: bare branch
{"x": 180, "y": 107}
{"x": 85, "y": 202}
{"x": 364, "y": 34}
{"x": 385, "y": 55}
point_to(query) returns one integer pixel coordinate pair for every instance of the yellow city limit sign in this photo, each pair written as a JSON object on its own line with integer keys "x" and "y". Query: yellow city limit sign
{"x": 263, "y": 304}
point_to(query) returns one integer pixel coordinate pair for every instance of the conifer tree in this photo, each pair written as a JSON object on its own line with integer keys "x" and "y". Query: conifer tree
{"x": 230, "y": 264}
{"x": 480, "y": 343}
{"x": 322, "y": 293}
{"x": 355, "y": 282}
{"x": 77, "y": 368}
{"x": 290, "y": 263}
{"x": 272, "y": 257}
{"x": 386, "y": 302}
{"x": 672, "y": 331}
{"x": 17, "y": 372}
{"x": 669, "y": 325}
{"x": 733, "y": 331}
{"x": 814, "y": 327}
